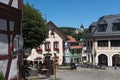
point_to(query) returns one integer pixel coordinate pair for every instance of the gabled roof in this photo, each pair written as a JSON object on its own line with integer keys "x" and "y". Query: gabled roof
{"x": 51, "y": 25}
{"x": 71, "y": 39}
{"x": 102, "y": 22}
{"x": 75, "y": 47}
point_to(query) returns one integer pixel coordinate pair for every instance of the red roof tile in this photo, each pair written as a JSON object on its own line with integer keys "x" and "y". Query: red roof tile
{"x": 71, "y": 39}
{"x": 75, "y": 47}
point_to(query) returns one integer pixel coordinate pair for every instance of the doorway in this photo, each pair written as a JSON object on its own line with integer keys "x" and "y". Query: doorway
{"x": 102, "y": 60}
{"x": 116, "y": 60}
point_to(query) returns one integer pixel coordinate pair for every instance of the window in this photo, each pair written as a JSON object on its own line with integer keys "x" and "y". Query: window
{"x": 84, "y": 58}
{"x": 56, "y": 46}
{"x": 74, "y": 43}
{"x": 116, "y": 27}
{"x": 102, "y": 28}
{"x": 88, "y": 43}
{"x": 102, "y": 43}
{"x": 47, "y": 46}
{"x": 91, "y": 44}
{"x": 115, "y": 43}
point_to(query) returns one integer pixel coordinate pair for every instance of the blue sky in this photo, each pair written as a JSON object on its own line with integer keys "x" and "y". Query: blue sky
{"x": 73, "y": 13}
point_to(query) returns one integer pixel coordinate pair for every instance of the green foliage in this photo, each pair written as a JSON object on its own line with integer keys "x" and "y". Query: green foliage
{"x": 25, "y": 70}
{"x": 34, "y": 30}
{"x": 67, "y": 30}
{"x": 71, "y": 31}
{"x": 1, "y": 76}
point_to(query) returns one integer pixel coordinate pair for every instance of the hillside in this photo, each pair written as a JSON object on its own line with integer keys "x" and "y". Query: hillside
{"x": 71, "y": 31}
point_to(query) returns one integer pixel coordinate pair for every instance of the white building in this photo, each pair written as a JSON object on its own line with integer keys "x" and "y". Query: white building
{"x": 55, "y": 43}
{"x": 80, "y": 29}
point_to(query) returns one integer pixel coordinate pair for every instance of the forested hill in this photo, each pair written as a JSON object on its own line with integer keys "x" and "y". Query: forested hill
{"x": 68, "y": 30}
{"x": 71, "y": 31}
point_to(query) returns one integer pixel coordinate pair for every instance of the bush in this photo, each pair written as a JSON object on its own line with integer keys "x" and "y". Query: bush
{"x": 1, "y": 76}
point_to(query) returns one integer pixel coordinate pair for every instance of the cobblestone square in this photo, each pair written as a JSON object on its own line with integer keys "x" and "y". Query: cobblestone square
{"x": 81, "y": 74}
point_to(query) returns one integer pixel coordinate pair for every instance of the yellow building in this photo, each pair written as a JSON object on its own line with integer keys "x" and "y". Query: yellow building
{"x": 103, "y": 41}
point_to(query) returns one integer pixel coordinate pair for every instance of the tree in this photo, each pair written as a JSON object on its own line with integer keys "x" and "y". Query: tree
{"x": 34, "y": 30}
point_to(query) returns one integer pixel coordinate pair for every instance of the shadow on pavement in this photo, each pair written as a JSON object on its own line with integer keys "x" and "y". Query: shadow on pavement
{"x": 34, "y": 75}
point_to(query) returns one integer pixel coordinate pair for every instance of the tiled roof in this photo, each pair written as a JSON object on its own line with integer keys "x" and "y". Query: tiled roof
{"x": 108, "y": 20}
{"x": 75, "y": 47}
{"x": 71, "y": 39}
{"x": 50, "y": 24}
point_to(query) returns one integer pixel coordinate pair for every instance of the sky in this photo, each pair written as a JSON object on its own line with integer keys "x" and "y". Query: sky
{"x": 73, "y": 13}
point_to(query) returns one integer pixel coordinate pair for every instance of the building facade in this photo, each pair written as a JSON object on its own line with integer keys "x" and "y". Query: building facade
{"x": 10, "y": 28}
{"x": 103, "y": 41}
{"x": 84, "y": 54}
{"x": 75, "y": 50}
{"x": 54, "y": 44}
{"x": 80, "y": 29}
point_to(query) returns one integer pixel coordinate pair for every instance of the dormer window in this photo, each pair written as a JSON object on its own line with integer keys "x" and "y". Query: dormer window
{"x": 116, "y": 27}
{"x": 102, "y": 27}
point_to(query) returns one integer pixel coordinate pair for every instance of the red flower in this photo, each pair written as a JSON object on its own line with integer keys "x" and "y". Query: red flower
{"x": 52, "y": 33}
{"x": 56, "y": 49}
{"x": 48, "y": 49}
{"x": 39, "y": 50}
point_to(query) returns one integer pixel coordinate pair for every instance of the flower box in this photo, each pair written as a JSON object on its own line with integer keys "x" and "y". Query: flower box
{"x": 52, "y": 33}
{"x": 56, "y": 49}
{"x": 39, "y": 50}
{"x": 47, "y": 49}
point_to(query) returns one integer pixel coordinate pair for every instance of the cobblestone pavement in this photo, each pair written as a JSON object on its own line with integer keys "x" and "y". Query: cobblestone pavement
{"x": 89, "y": 74}
{"x": 82, "y": 74}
